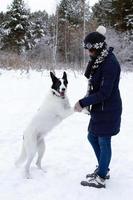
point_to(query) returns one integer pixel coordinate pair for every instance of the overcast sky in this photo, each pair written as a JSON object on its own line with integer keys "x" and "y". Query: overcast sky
{"x": 48, "y": 5}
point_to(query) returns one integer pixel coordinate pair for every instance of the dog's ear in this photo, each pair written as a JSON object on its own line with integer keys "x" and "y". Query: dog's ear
{"x": 65, "y": 77}
{"x": 53, "y": 77}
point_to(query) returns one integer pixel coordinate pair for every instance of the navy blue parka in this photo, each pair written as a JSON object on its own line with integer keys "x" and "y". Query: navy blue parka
{"x": 105, "y": 98}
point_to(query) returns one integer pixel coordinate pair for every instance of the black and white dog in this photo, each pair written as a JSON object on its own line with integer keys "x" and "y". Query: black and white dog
{"x": 55, "y": 108}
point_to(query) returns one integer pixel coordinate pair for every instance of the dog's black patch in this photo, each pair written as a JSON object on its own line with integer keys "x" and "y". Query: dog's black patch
{"x": 56, "y": 82}
{"x": 56, "y": 85}
{"x": 65, "y": 79}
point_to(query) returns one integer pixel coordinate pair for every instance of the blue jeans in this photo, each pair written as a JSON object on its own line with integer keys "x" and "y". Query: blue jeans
{"x": 102, "y": 149}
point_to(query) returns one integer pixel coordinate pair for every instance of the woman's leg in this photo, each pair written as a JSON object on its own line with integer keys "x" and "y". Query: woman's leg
{"x": 95, "y": 144}
{"x": 105, "y": 155}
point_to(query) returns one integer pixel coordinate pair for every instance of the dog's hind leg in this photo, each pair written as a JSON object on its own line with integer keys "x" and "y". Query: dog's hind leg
{"x": 27, "y": 166}
{"x": 22, "y": 157}
{"x": 30, "y": 151}
{"x": 41, "y": 150}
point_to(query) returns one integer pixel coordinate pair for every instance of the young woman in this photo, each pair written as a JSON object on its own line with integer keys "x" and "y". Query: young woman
{"x": 104, "y": 103}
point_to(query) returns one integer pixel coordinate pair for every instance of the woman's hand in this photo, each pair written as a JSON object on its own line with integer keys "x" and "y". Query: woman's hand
{"x": 77, "y": 107}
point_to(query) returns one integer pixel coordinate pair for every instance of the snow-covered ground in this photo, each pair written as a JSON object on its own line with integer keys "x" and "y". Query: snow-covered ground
{"x": 69, "y": 156}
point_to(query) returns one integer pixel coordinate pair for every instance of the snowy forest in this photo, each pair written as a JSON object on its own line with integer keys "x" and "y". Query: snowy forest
{"x": 40, "y": 41}
{"x": 36, "y": 44}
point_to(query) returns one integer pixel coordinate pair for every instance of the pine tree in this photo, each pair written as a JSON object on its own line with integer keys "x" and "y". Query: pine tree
{"x": 102, "y": 12}
{"x": 122, "y": 14}
{"x": 2, "y": 18}
{"x": 17, "y": 28}
{"x": 39, "y": 21}
{"x": 38, "y": 30}
{"x": 117, "y": 13}
{"x": 72, "y": 21}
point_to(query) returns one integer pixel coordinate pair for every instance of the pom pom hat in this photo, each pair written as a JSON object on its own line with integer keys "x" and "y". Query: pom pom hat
{"x": 101, "y": 29}
{"x": 95, "y": 40}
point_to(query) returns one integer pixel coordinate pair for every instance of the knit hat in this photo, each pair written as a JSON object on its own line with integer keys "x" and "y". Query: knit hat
{"x": 95, "y": 40}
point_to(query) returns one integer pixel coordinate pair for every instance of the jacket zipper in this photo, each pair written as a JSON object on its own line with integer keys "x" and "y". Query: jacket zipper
{"x": 103, "y": 101}
{"x": 102, "y": 105}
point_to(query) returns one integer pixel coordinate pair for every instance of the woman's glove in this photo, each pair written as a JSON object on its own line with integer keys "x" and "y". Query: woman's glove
{"x": 77, "y": 107}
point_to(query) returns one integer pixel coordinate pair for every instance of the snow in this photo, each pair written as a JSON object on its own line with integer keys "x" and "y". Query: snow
{"x": 19, "y": 26}
{"x": 7, "y": 31}
{"x": 14, "y": 18}
{"x": 24, "y": 17}
{"x": 69, "y": 156}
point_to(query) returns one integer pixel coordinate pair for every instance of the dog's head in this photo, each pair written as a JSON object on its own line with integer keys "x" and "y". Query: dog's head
{"x": 59, "y": 85}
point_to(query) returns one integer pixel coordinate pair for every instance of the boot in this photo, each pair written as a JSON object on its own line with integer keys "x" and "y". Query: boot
{"x": 92, "y": 175}
{"x": 96, "y": 182}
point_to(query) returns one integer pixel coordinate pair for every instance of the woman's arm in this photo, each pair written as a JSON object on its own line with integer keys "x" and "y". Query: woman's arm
{"x": 110, "y": 72}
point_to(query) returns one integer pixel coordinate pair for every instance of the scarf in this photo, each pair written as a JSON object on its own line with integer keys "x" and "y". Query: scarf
{"x": 92, "y": 66}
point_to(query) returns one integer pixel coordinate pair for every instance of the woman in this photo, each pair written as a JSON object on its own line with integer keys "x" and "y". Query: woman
{"x": 104, "y": 103}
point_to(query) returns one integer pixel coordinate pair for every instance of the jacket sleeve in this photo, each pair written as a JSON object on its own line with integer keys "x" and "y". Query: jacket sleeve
{"x": 109, "y": 74}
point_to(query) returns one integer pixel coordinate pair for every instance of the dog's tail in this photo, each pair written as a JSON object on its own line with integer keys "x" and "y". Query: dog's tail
{"x": 22, "y": 156}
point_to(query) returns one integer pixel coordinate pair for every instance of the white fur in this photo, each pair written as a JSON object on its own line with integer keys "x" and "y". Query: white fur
{"x": 101, "y": 29}
{"x": 62, "y": 85}
{"x": 51, "y": 113}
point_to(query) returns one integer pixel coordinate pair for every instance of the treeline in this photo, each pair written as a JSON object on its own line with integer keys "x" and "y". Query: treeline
{"x": 115, "y": 13}
{"x": 40, "y": 40}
